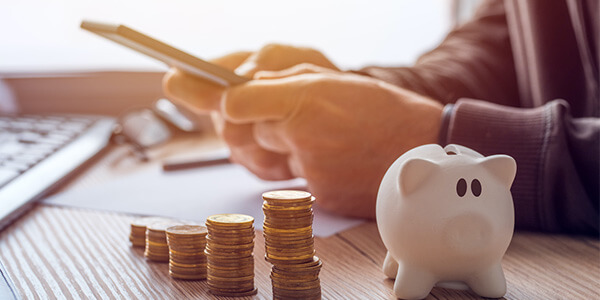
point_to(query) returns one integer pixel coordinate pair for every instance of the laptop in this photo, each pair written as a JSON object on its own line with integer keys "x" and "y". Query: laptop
{"x": 38, "y": 152}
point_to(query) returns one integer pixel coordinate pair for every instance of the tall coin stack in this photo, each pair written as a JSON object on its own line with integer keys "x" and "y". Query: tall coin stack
{"x": 229, "y": 247}
{"x": 138, "y": 229}
{"x": 157, "y": 248}
{"x": 289, "y": 245}
{"x": 186, "y": 251}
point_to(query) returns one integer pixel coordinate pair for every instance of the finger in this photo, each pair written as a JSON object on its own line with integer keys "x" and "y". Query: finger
{"x": 269, "y": 135}
{"x": 264, "y": 164}
{"x": 200, "y": 94}
{"x": 247, "y": 68}
{"x": 295, "y": 166}
{"x": 232, "y": 60}
{"x": 262, "y": 100}
{"x": 274, "y": 57}
{"x": 218, "y": 121}
{"x": 237, "y": 135}
{"x": 304, "y": 68}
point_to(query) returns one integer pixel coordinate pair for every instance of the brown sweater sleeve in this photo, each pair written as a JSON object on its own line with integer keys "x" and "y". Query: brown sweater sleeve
{"x": 474, "y": 61}
{"x": 556, "y": 146}
{"x": 556, "y": 187}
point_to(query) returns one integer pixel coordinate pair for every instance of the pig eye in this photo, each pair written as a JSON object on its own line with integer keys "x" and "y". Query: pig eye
{"x": 476, "y": 187}
{"x": 461, "y": 187}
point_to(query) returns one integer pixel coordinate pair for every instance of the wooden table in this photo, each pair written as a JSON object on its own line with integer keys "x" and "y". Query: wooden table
{"x": 55, "y": 252}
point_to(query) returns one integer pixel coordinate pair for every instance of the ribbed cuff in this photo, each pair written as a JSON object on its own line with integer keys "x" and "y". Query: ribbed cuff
{"x": 493, "y": 129}
{"x": 446, "y": 114}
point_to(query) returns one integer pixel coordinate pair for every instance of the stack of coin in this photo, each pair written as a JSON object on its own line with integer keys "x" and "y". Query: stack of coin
{"x": 289, "y": 245}
{"x": 186, "y": 251}
{"x": 297, "y": 281}
{"x": 229, "y": 247}
{"x": 157, "y": 248}
{"x": 138, "y": 229}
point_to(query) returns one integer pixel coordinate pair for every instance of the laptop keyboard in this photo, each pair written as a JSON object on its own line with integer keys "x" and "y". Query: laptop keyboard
{"x": 38, "y": 152}
{"x": 27, "y": 140}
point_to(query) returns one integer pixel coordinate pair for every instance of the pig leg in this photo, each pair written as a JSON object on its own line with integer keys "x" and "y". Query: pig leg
{"x": 413, "y": 282}
{"x": 489, "y": 283}
{"x": 390, "y": 266}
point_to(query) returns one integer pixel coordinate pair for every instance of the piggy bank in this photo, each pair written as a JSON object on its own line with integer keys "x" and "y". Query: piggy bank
{"x": 446, "y": 217}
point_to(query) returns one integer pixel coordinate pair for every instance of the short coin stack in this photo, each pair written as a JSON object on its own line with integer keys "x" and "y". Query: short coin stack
{"x": 138, "y": 229}
{"x": 157, "y": 248}
{"x": 289, "y": 245}
{"x": 229, "y": 247}
{"x": 186, "y": 251}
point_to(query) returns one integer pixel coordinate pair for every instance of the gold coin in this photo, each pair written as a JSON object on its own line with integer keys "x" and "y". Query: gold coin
{"x": 215, "y": 245}
{"x": 290, "y": 251}
{"x": 314, "y": 263}
{"x": 276, "y": 231}
{"x": 188, "y": 265}
{"x": 289, "y": 226}
{"x": 162, "y": 226}
{"x": 229, "y": 241}
{"x": 186, "y": 230}
{"x": 287, "y": 260}
{"x": 220, "y": 264}
{"x": 188, "y": 277}
{"x": 297, "y": 285}
{"x": 231, "y": 273}
{"x": 156, "y": 257}
{"x": 185, "y": 270}
{"x": 289, "y": 239}
{"x": 286, "y": 195}
{"x": 229, "y": 220}
{"x": 300, "y": 208}
{"x": 251, "y": 292}
{"x": 309, "y": 294}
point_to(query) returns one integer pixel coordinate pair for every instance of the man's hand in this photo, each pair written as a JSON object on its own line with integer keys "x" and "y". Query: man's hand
{"x": 339, "y": 131}
{"x": 203, "y": 97}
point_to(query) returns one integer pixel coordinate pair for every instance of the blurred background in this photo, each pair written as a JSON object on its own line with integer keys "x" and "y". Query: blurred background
{"x": 48, "y": 63}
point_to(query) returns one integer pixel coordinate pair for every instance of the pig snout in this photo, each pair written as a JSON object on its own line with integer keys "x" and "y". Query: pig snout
{"x": 468, "y": 233}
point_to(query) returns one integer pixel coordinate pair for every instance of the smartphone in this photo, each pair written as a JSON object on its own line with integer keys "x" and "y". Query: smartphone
{"x": 171, "y": 56}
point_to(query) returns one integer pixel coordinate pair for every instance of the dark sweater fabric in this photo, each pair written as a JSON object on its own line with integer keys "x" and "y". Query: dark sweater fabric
{"x": 524, "y": 79}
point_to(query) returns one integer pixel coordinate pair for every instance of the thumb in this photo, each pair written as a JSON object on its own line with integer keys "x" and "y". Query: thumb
{"x": 262, "y": 100}
{"x": 303, "y": 68}
{"x": 232, "y": 60}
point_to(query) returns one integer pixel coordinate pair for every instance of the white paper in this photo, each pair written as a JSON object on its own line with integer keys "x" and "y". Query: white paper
{"x": 193, "y": 195}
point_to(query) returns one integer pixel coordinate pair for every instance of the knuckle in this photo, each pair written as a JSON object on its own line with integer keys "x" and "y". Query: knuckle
{"x": 229, "y": 108}
{"x": 169, "y": 82}
{"x": 272, "y": 47}
{"x": 233, "y": 135}
{"x": 305, "y": 66}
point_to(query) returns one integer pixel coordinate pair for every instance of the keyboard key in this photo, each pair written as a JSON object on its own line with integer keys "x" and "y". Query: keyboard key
{"x": 74, "y": 126}
{"x": 44, "y": 127}
{"x": 7, "y": 175}
{"x": 29, "y": 137}
{"x": 16, "y": 165}
{"x": 21, "y": 125}
{"x": 60, "y": 137}
{"x": 11, "y": 148}
{"x": 27, "y": 159}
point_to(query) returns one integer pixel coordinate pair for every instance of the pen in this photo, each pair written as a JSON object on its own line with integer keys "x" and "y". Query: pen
{"x": 182, "y": 165}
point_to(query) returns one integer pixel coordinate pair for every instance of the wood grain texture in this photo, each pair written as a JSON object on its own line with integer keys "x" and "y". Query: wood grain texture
{"x": 55, "y": 252}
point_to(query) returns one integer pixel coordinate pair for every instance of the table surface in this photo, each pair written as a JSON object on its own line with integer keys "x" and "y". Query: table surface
{"x": 56, "y": 252}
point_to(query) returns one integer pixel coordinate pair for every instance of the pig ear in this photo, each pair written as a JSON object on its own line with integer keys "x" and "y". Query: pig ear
{"x": 413, "y": 173}
{"x": 502, "y": 167}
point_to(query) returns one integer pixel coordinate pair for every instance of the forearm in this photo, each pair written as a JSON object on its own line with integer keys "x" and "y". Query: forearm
{"x": 474, "y": 61}
{"x": 556, "y": 187}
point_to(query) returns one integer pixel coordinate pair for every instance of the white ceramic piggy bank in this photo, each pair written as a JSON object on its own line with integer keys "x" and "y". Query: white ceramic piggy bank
{"x": 446, "y": 217}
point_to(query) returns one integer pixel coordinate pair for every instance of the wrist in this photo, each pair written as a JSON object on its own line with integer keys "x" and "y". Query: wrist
{"x": 445, "y": 124}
